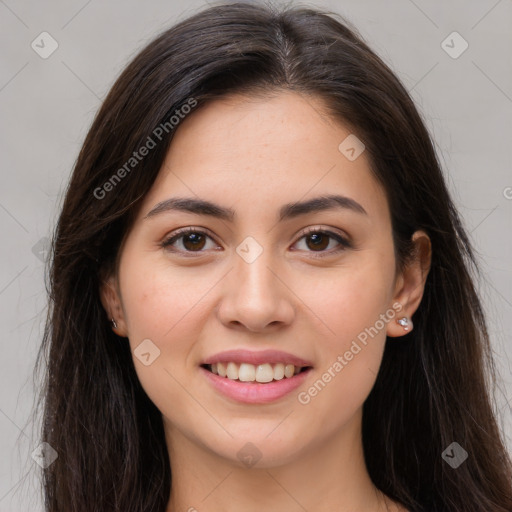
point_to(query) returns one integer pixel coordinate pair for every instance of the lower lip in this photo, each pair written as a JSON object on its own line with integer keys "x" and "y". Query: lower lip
{"x": 255, "y": 392}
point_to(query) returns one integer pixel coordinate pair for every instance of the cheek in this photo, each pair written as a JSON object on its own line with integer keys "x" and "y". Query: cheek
{"x": 348, "y": 299}
{"x": 162, "y": 305}
{"x": 158, "y": 306}
{"x": 161, "y": 300}
{"x": 354, "y": 307}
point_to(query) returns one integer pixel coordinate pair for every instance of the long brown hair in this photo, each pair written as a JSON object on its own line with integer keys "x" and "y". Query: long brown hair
{"x": 432, "y": 388}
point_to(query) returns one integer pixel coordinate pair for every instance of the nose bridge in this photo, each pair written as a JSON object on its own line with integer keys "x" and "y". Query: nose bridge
{"x": 252, "y": 275}
{"x": 254, "y": 296}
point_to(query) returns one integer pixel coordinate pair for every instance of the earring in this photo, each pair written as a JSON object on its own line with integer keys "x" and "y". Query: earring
{"x": 405, "y": 322}
{"x": 114, "y": 323}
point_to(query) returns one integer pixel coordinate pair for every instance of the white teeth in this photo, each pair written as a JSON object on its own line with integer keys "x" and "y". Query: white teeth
{"x": 264, "y": 373}
{"x": 232, "y": 371}
{"x": 246, "y": 372}
{"x": 289, "y": 370}
{"x": 278, "y": 371}
{"x": 221, "y": 369}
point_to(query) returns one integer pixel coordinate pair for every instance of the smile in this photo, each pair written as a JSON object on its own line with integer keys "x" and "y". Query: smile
{"x": 262, "y": 373}
{"x": 255, "y": 377}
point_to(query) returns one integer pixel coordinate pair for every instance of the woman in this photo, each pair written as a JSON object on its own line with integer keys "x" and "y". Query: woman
{"x": 261, "y": 290}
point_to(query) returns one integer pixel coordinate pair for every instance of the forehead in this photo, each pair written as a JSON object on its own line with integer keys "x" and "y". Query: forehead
{"x": 265, "y": 151}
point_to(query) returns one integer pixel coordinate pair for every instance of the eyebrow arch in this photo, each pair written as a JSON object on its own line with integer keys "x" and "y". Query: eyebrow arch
{"x": 286, "y": 212}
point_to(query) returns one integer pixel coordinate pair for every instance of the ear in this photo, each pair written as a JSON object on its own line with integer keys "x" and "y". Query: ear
{"x": 111, "y": 301}
{"x": 410, "y": 284}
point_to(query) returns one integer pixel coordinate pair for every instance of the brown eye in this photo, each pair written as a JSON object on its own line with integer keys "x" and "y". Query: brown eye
{"x": 193, "y": 241}
{"x": 319, "y": 241}
{"x": 187, "y": 240}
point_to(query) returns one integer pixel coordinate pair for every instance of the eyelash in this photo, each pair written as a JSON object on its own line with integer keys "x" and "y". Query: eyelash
{"x": 344, "y": 243}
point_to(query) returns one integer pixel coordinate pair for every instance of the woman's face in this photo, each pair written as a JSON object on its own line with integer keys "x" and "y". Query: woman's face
{"x": 250, "y": 278}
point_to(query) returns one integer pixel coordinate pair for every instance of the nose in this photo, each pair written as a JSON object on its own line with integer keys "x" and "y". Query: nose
{"x": 256, "y": 296}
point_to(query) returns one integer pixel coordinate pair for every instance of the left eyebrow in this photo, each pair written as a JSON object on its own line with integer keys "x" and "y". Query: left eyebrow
{"x": 286, "y": 212}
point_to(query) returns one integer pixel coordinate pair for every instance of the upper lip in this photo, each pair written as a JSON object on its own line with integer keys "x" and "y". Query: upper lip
{"x": 256, "y": 358}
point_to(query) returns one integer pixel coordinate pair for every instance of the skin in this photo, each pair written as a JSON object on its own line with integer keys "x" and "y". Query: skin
{"x": 254, "y": 155}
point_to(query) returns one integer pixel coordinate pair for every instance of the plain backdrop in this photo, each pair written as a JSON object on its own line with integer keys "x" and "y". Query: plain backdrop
{"x": 47, "y": 105}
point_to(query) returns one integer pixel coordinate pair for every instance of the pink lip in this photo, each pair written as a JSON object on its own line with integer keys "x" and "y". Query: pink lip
{"x": 254, "y": 392}
{"x": 260, "y": 357}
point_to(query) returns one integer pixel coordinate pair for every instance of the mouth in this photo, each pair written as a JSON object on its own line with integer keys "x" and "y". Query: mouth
{"x": 262, "y": 373}
{"x": 255, "y": 377}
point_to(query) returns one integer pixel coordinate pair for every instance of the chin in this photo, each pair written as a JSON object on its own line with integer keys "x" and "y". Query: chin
{"x": 255, "y": 450}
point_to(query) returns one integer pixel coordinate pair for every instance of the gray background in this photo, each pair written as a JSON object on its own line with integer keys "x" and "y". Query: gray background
{"x": 47, "y": 106}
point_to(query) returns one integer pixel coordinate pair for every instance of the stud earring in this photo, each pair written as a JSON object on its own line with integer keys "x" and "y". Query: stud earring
{"x": 114, "y": 323}
{"x": 405, "y": 322}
